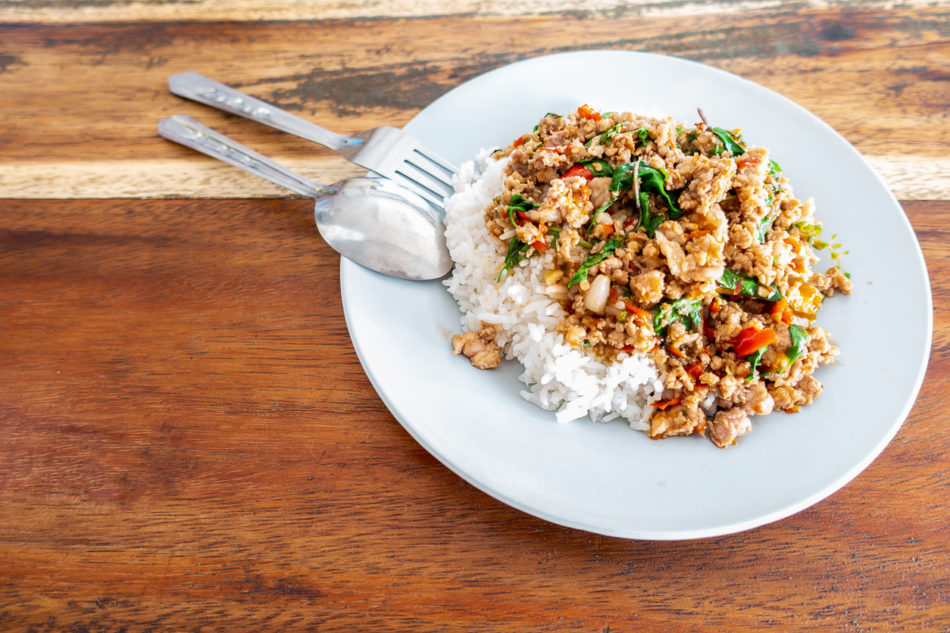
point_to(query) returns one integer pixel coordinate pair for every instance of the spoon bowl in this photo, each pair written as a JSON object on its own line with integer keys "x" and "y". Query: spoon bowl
{"x": 371, "y": 221}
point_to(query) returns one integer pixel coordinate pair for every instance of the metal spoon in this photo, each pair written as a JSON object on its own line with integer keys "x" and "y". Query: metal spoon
{"x": 371, "y": 221}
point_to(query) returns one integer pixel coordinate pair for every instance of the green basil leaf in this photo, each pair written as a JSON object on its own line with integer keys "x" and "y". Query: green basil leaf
{"x": 649, "y": 221}
{"x": 515, "y": 255}
{"x": 762, "y": 230}
{"x": 774, "y": 168}
{"x": 738, "y": 285}
{"x": 644, "y": 135}
{"x": 598, "y": 167}
{"x": 799, "y": 336}
{"x": 729, "y": 141}
{"x": 597, "y": 211}
{"x": 651, "y": 180}
{"x": 595, "y": 258}
{"x": 689, "y": 312}
{"x": 622, "y": 178}
{"x": 754, "y": 359}
{"x": 605, "y": 137}
{"x": 519, "y": 203}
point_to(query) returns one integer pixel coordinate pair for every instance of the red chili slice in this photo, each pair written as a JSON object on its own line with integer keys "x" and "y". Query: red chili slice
{"x": 539, "y": 246}
{"x": 750, "y": 340}
{"x": 579, "y": 170}
{"x": 587, "y": 112}
{"x": 665, "y": 403}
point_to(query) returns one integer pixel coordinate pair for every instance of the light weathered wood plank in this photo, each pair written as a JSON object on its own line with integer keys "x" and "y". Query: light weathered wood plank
{"x": 878, "y": 77}
{"x": 203, "y": 178}
{"x": 77, "y": 11}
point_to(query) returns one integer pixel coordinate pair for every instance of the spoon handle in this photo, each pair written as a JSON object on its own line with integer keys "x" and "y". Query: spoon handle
{"x": 209, "y": 92}
{"x": 186, "y": 131}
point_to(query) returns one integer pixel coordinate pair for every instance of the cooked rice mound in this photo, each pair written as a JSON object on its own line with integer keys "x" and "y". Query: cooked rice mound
{"x": 558, "y": 376}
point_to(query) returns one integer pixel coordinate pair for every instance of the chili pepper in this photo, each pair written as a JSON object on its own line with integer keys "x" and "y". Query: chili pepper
{"x": 665, "y": 403}
{"x": 579, "y": 170}
{"x": 778, "y": 308}
{"x": 524, "y": 216}
{"x": 748, "y": 160}
{"x": 641, "y": 316}
{"x": 695, "y": 370}
{"x": 539, "y": 246}
{"x": 612, "y": 296}
{"x": 709, "y": 332}
{"x": 751, "y": 340}
{"x": 586, "y": 112}
{"x": 608, "y": 229}
{"x": 674, "y": 352}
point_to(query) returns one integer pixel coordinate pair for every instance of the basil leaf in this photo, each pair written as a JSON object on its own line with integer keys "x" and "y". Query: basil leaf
{"x": 593, "y": 216}
{"x": 605, "y": 137}
{"x": 729, "y": 141}
{"x": 799, "y": 336}
{"x": 774, "y": 168}
{"x": 593, "y": 259}
{"x": 515, "y": 255}
{"x": 754, "y": 359}
{"x": 689, "y": 312}
{"x": 622, "y": 177}
{"x": 519, "y": 203}
{"x": 644, "y": 135}
{"x": 762, "y": 230}
{"x": 598, "y": 167}
{"x": 649, "y": 221}
{"x": 654, "y": 180}
{"x": 736, "y": 284}
{"x": 650, "y": 179}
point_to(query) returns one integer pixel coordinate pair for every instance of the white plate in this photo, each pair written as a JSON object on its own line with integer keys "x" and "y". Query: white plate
{"x": 606, "y": 478}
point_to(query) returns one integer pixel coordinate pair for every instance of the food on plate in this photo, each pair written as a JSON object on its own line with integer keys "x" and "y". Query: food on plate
{"x": 643, "y": 269}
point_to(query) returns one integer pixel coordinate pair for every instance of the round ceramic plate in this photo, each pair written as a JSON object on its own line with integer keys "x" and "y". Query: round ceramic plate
{"x": 606, "y": 478}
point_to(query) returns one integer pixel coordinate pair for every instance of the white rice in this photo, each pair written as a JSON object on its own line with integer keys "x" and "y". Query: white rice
{"x": 558, "y": 377}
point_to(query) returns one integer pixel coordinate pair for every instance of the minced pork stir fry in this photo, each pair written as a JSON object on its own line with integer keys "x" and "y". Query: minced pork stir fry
{"x": 680, "y": 243}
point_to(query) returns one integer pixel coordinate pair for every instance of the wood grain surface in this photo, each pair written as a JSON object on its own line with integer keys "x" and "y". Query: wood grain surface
{"x": 187, "y": 439}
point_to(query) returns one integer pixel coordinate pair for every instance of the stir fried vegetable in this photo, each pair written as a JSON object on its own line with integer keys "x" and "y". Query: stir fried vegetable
{"x": 689, "y": 312}
{"x": 735, "y": 284}
{"x": 593, "y": 259}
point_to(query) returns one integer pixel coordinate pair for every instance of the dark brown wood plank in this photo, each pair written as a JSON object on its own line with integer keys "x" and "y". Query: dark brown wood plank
{"x": 189, "y": 444}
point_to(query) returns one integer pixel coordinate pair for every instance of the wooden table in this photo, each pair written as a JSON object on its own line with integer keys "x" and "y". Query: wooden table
{"x": 187, "y": 440}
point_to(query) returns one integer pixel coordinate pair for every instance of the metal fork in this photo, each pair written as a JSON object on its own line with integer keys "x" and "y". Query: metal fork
{"x": 386, "y": 150}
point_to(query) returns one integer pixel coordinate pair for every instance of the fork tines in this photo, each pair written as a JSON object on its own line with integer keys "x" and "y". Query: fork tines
{"x": 431, "y": 175}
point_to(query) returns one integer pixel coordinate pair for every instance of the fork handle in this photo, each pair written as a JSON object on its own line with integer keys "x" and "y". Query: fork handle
{"x": 190, "y": 133}
{"x": 209, "y": 92}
